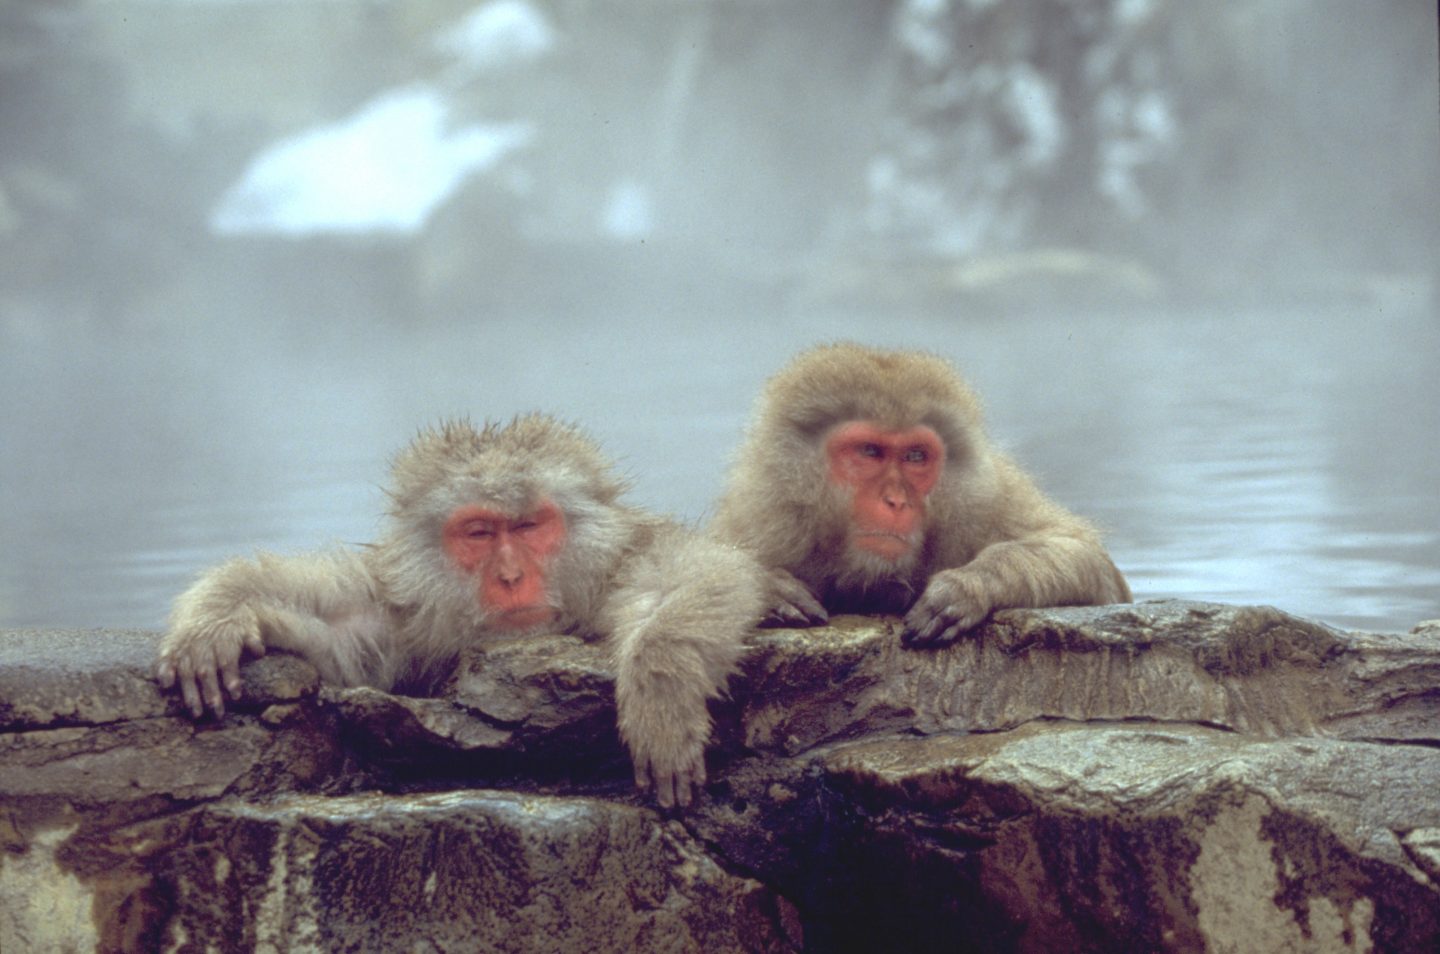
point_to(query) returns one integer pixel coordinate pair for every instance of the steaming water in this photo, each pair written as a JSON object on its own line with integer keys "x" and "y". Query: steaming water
{"x": 180, "y": 385}
{"x": 1248, "y": 455}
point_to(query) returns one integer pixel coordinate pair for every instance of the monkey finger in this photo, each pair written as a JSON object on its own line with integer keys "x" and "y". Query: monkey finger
{"x": 914, "y": 639}
{"x": 796, "y": 600}
{"x": 684, "y": 792}
{"x": 948, "y": 625}
{"x": 803, "y": 616}
{"x": 784, "y": 614}
{"x": 814, "y": 613}
{"x": 941, "y": 630}
{"x": 230, "y": 673}
{"x": 230, "y": 677}
{"x": 190, "y": 692}
{"x": 694, "y": 780}
{"x": 210, "y": 684}
{"x": 921, "y": 629}
{"x": 642, "y": 775}
{"x": 254, "y": 643}
{"x": 665, "y": 788}
{"x": 165, "y": 673}
{"x": 949, "y": 634}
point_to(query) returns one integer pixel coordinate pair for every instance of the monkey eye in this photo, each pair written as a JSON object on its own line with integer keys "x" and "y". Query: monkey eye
{"x": 479, "y": 531}
{"x": 872, "y": 450}
{"x": 524, "y": 525}
{"x": 916, "y": 455}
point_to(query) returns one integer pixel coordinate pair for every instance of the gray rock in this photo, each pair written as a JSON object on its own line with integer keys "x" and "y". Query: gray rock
{"x": 76, "y": 677}
{"x": 1148, "y": 836}
{"x": 543, "y": 706}
{"x": 1249, "y": 669}
{"x": 95, "y": 677}
{"x": 456, "y": 871}
{"x": 1163, "y": 776}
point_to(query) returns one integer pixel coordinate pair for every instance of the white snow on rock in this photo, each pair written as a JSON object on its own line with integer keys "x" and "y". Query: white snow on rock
{"x": 386, "y": 168}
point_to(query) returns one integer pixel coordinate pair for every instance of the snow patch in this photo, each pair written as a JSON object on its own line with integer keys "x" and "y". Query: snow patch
{"x": 386, "y": 168}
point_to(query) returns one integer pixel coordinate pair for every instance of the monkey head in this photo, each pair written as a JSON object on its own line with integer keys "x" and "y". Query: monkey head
{"x": 514, "y": 523}
{"x": 854, "y": 453}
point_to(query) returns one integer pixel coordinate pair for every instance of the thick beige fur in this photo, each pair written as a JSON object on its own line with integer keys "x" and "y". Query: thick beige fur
{"x": 674, "y": 606}
{"x": 992, "y": 539}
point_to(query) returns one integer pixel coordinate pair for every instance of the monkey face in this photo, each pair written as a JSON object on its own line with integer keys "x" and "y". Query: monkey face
{"x": 508, "y": 557}
{"x": 888, "y": 475}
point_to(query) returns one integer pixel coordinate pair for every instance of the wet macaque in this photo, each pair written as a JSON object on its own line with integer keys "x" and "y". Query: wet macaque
{"x": 494, "y": 534}
{"x": 866, "y": 484}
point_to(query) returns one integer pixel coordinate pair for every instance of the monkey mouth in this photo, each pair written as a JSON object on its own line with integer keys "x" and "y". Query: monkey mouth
{"x": 523, "y": 617}
{"x": 883, "y": 543}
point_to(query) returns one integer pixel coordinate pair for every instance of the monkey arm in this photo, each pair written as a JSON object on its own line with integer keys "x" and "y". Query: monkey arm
{"x": 1055, "y": 568}
{"x": 677, "y": 621}
{"x": 748, "y": 517}
{"x": 322, "y": 606}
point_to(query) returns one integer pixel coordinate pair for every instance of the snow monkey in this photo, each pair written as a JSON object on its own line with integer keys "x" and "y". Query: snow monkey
{"x": 494, "y": 533}
{"x": 866, "y": 484}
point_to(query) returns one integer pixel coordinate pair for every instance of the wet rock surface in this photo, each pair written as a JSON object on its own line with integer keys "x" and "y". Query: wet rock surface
{"x": 1162, "y": 776}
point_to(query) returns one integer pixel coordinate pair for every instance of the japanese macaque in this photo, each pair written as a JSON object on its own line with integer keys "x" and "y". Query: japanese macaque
{"x": 493, "y": 534}
{"x": 866, "y": 484}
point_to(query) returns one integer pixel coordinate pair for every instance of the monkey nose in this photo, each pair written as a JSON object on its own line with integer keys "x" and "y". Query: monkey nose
{"x": 895, "y": 500}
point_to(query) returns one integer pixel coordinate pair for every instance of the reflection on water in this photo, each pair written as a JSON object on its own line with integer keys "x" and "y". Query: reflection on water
{"x": 1257, "y": 455}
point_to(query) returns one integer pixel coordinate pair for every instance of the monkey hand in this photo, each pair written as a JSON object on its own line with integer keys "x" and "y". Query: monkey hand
{"x": 202, "y": 655}
{"x": 791, "y": 603}
{"x": 954, "y": 602}
{"x": 675, "y": 769}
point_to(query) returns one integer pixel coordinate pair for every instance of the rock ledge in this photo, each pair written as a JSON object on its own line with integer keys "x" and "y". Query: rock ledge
{"x": 1166, "y": 776}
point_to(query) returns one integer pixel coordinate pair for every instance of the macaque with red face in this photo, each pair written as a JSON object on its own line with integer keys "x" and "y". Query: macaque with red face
{"x": 494, "y": 534}
{"x": 867, "y": 484}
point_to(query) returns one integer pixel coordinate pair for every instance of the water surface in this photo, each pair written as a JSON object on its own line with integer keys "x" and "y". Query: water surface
{"x": 1277, "y": 455}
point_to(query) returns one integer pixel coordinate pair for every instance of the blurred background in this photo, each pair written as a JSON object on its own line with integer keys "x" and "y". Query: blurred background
{"x": 1186, "y": 252}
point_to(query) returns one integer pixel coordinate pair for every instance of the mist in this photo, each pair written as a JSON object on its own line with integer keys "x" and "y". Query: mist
{"x": 1187, "y": 256}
